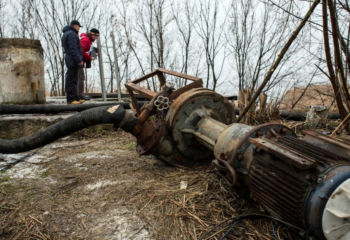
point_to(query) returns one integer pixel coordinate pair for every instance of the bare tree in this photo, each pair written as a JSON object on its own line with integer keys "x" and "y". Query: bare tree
{"x": 279, "y": 58}
{"x": 122, "y": 52}
{"x": 51, "y": 16}
{"x": 255, "y": 40}
{"x": 185, "y": 21}
{"x": 25, "y": 26}
{"x": 3, "y": 4}
{"x": 128, "y": 31}
{"x": 336, "y": 76}
{"x": 210, "y": 30}
{"x": 152, "y": 23}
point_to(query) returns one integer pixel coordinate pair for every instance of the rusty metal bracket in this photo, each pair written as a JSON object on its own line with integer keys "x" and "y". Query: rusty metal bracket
{"x": 134, "y": 87}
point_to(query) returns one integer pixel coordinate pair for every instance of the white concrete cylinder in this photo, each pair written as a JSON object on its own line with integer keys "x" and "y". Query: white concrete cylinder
{"x": 22, "y": 76}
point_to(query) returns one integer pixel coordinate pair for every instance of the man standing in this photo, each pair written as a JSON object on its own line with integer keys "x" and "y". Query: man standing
{"x": 86, "y": 40}
{"x": 73, "y": 59}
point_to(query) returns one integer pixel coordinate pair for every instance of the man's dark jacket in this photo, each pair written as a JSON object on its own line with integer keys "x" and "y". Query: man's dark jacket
{"x": 72, "y": 47}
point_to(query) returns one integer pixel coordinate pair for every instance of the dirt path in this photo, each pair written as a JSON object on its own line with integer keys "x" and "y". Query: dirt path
{"x": 99, "y": 188}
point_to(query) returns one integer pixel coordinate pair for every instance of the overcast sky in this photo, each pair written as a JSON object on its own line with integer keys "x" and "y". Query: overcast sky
{"x": 301, "y": 63}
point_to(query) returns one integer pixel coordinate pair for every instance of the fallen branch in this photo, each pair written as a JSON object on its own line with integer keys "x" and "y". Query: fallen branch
{"x": 341, "y": 124}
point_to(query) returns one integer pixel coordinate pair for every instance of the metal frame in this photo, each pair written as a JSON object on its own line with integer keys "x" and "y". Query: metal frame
{"x": 133, "y": 86}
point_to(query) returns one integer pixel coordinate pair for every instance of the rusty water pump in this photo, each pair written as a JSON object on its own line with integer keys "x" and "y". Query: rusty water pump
{"x": 304, "y": 180}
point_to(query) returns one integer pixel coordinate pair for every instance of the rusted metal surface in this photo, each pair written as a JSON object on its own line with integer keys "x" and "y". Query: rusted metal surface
{"x": 143, "y": 91}
{"x": 182, "y": 100}
{"x": 232, "y": 176}
{"x": 322, "y": 156}
{"x": 291, "y": 156}
{"x": 338, "y": 147}
{"x": 151, "y": 108}
{"x": 150, "y": 136}
{"x": 187, "y": 110}
{"x": 234, "y": 147}
{"x": 208, "y": 131}
{"x": 262, "y": 130}
{"x": 182, "y": 90}
{"x": 279, "y": 188}
{"x": 290, "y": 176}
{"x": 297, "y": 194}
{"x": 134, "y": 103}
{"x": 162, "y": 70}
{"x": 132, "y": 86}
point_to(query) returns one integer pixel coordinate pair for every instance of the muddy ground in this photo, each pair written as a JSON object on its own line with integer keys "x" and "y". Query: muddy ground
{"x": 93, "y": 185}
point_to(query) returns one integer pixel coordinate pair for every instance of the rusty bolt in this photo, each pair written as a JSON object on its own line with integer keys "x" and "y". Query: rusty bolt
{"x": 240, "y": 157}
{"x": 284, "y": 130}
{"x": 314, "y": 178}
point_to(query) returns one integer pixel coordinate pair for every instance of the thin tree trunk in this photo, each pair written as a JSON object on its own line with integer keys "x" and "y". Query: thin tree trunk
{"x": 337, "y": 54}
{"x": 279, "y": 58}
{"x": 332, "y": 77}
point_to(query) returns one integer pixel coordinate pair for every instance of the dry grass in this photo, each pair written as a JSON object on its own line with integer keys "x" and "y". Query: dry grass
{"x": 14, "y": 224}
{"x": 172, "y": 203}
{"x": 174, "y": 213}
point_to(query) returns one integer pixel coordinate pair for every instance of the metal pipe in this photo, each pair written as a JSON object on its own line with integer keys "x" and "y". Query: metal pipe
{"x": 102, "y": 73}
{"x": 208, "y": 131}
{"x": 286, "y": 174}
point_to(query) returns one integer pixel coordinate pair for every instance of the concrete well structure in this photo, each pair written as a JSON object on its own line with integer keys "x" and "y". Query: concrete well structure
{"x": 22, "y": 77}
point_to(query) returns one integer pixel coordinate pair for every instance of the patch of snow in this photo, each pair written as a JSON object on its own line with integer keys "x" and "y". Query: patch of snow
{"x": 89, "y": 155}
{"x": 80, "y": 166}
{"x": 99, "y": 157}
{"x": 105, "y": 183}
{"x": 25, "y": 170}
{"x": 39, "y": 159}
{"x": 28, "y": 168}
{"x": 119, "y": 224}
{"x": 67, "y": 144}
{"x": 43, "y": 117}
{"x": 6, "y": 159}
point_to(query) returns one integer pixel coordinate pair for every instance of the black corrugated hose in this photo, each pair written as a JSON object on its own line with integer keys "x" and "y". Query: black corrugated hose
{"x": 53, "y": 109}
{"x": 116, "y": 115}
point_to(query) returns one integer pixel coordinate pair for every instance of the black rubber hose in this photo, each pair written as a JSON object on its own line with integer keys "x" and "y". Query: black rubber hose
{"x": 52, "y": 109}
{"x": 301, "y": 116}
{"x": 293, "y": 115}
{"x": 116, "y": 115}
{"x": 298, "y": 116}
